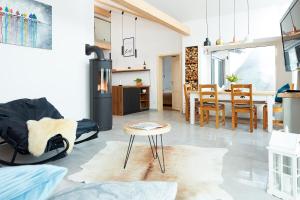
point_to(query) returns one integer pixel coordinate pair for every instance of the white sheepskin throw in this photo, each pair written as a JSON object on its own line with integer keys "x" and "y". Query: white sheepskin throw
{"x": 39, "y": 132}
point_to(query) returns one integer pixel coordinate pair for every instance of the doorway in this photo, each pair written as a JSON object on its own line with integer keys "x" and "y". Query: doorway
{"x": 169, "y": 83}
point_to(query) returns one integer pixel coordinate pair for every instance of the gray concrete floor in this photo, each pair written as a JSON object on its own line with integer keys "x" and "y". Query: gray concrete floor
{"x": 245, "y": 167}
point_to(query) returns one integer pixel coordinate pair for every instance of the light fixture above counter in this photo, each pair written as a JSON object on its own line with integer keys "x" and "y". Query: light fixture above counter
{"x": 207, "y": 41}
{"x": 241, "y": 45}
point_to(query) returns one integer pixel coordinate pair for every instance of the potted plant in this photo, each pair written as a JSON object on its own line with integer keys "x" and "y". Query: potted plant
{"x": 138, "y": 82}
{"x": 233, "y": 78}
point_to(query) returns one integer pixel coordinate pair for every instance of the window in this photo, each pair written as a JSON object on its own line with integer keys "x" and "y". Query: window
{"x": 218, "y": 71}
{"x": 251, "y": 65}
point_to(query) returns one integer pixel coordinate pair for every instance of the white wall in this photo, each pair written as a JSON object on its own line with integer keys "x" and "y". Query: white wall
{"x": 264, "y": 23}
{"x": 152, "y": 40}
{"x": 60, "y": 74}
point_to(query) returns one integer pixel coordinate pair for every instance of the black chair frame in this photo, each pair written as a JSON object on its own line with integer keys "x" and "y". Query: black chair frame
{"x": 53, "y": 144}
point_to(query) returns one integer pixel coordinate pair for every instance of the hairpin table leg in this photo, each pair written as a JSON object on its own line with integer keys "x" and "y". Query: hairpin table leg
{"x": 154, "y": 149}
{"x": 155, "y": 142}
{"x": 129, "y": 149}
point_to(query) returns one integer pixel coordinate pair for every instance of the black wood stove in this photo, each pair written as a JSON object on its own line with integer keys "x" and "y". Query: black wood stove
{"x": 100, "y": 88}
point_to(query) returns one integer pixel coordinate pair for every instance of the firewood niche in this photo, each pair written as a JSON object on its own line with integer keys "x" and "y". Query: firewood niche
{"x": 191, "y": 66}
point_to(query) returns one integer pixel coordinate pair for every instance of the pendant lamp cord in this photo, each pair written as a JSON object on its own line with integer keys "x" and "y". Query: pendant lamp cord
{"x": 135, "y": 31}
{"x": 234, "y": 17}
{"x": 219, "y": 19}
{"x": 206, "y": 21}
{"x": 248, "y": 7}
{"x": 122, "y": 25}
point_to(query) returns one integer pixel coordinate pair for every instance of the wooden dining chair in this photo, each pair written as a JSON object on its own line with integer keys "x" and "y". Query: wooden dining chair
{"x": 187, "y": 88}
{"x": 277, "y": 108}
{"x": 242, "y": 102}
{"x": 209, "y": 102}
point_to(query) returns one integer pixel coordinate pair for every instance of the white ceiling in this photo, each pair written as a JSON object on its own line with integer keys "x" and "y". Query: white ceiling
{"x": 185, "y": 10}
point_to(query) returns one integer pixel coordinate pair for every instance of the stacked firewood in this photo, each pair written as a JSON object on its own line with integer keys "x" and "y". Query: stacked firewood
{"x": 191, "y": 66}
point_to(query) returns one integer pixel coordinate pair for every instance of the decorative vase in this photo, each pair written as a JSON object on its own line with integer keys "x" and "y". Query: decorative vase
{"x": 207, "y": 42}
{"x": 219, "y": 42}
{"x": 228, "y": 85}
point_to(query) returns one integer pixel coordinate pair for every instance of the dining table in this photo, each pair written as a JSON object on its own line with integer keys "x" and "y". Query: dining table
{"x": 259, "y": 97}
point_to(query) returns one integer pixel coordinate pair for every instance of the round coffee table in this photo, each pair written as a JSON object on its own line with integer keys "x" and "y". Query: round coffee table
{"x": 152, "y": 137}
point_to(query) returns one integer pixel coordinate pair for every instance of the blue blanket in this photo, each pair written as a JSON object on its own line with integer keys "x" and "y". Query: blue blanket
{"x": 29, "y": 182}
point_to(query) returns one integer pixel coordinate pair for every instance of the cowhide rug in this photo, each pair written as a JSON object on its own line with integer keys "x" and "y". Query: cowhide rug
{"x": 198, "y": 171}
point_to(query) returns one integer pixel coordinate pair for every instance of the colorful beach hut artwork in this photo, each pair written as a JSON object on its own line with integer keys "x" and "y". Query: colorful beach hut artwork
{"x": 26, "y": 23}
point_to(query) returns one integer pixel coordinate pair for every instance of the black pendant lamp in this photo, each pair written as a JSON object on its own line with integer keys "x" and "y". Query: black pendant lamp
{"x": 122, "y": 48}
{"x": 135, "y": 50}
{"x": 206, "y": 42}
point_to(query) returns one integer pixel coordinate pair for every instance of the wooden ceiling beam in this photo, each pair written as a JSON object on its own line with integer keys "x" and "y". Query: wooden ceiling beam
{"x": 107, "y": 4}
{"x": 154, "y": 14}
{"x": 102, "y": 12}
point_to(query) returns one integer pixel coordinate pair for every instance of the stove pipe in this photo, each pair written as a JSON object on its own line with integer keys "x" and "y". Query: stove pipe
{"x": 100, "y": 88}
{"x": 94, "y": 49}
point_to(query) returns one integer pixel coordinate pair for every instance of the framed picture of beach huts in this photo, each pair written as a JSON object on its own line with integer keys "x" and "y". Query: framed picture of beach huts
{"x": 26, "y": 23}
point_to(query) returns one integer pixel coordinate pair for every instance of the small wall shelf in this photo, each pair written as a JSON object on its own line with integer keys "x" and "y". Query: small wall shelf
{"x": 103, "y": 45}
{"x": 129, "y": 70}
